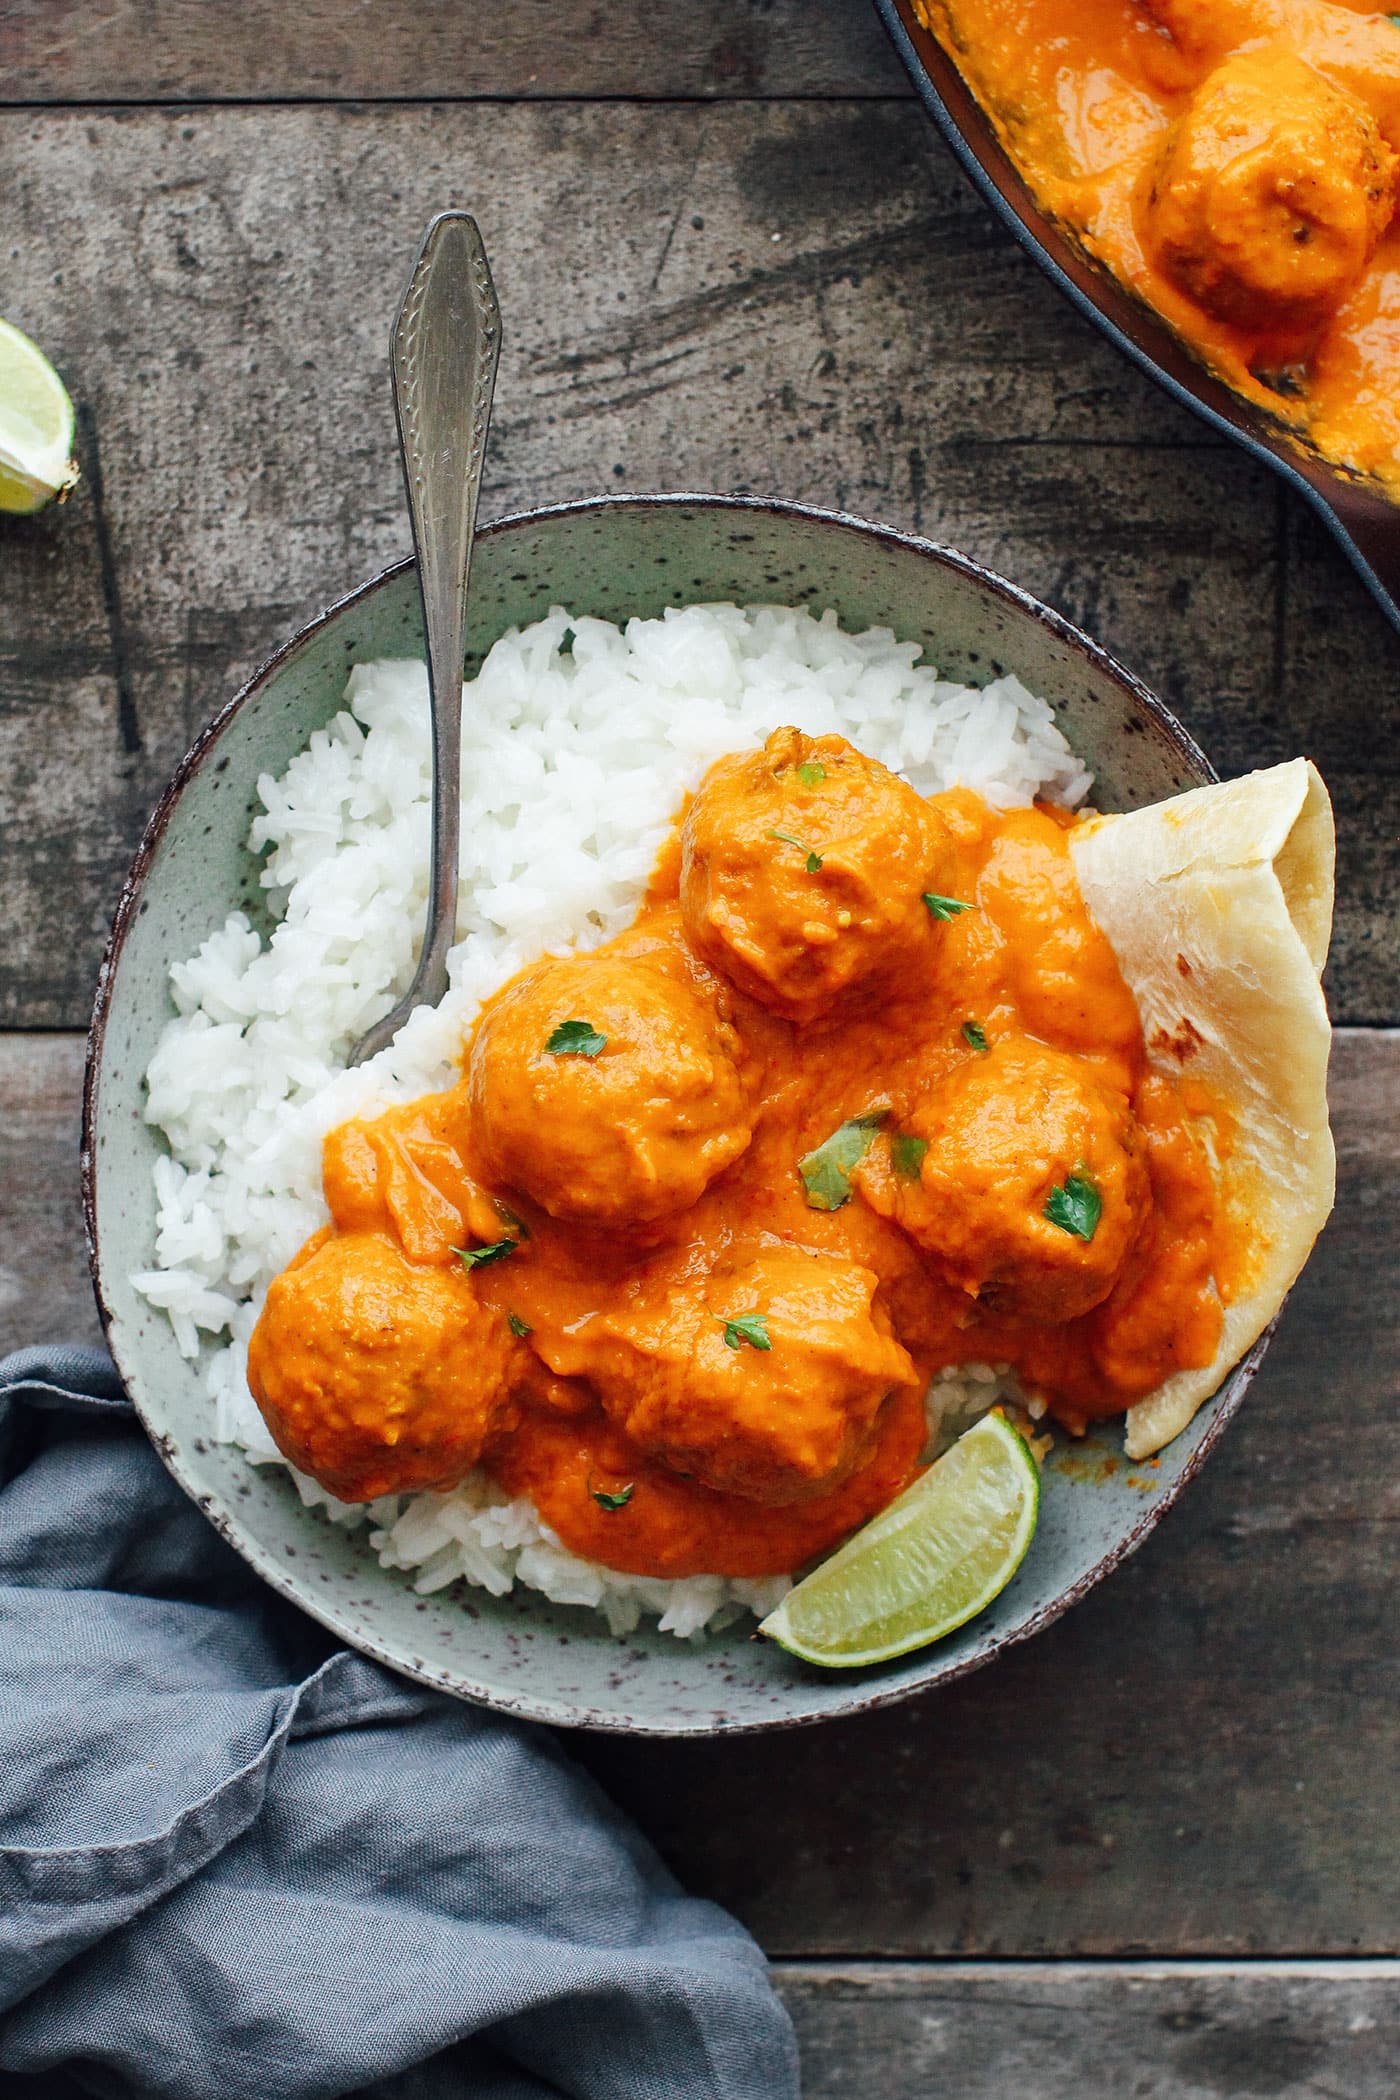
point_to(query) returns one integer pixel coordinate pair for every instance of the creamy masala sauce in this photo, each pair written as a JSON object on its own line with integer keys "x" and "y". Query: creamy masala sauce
{"x": 860, "y": 1094}
{"x": 1234, "y": 163}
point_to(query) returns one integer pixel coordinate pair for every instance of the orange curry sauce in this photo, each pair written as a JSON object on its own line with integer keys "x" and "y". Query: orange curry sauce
{"x": 1234, "y": 163}
{"x": 627, "y": 1134}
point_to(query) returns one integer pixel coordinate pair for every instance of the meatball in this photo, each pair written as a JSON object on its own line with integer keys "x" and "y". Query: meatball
{"x": 1002, "y": 1134}
{"x": 762, "y": 1380}
{"x": 376, "y": 1377}
{"x": 803, "y": 871}
{"x": 610, "y": 1093}
{"x": 1271, "y": 191}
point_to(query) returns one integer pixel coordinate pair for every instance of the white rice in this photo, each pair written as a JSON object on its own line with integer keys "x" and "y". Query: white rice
{"x": 579, "y": 740}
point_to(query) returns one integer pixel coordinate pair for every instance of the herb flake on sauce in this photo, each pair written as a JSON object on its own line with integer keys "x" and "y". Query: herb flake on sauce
{"x": 974, "y": 1035}
{"x": 907, "y": 1155}
{"x": 944, "y": 907}
{"x": 826, "y": 1172}
{"x": 745, "y": 1327}
{"x": 575, "y": 1039}
{"x": 785, "y": 838}
{"x": 811, "y": 773}
{"x": 518, "y": 1327}
{"x": 1075, "y": 1206}
{"x": 618, "y": 1501}
{"x": 478, "y": 1257}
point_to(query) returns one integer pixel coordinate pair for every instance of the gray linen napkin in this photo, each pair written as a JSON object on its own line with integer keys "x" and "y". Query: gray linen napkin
{"x": 238, "y": 1861}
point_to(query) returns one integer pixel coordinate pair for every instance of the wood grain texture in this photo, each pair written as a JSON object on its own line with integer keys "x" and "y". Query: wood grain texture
{"x": 105, "y": 51}
{"x": 1180, "y": 2031}
{"x": 800, "y": 299}
{"x": 45, "y": 1293}
{"x": 1200, "y": 1759}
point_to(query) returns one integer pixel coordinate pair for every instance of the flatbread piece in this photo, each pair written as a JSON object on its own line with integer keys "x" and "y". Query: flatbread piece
{"x": 1218, "y": 905}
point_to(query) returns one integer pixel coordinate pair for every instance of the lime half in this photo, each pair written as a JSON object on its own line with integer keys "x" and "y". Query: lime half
{"x": 36, "y": 427}
{"x": 931, "y": 1561}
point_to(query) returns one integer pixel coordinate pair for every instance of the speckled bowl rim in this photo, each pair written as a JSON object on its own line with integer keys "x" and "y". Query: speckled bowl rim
{"x": 865, "y": 1696}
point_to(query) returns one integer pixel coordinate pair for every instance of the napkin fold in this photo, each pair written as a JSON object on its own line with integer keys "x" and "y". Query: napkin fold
{"x": 236, "y": 1860}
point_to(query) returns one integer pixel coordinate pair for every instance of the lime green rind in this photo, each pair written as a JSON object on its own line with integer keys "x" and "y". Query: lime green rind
{"x": 925, "y": 1566}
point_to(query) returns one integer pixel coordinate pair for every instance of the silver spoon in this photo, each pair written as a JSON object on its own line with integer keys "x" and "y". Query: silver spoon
{"x": 443, "y": 356}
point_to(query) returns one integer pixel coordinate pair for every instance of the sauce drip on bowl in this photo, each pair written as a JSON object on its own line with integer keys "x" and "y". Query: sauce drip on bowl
{"x": 1234, "y": 163}
{"x": 861, "y": 1094}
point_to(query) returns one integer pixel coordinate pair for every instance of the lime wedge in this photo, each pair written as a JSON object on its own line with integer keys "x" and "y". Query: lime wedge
{"x": 931, "y": 1561}
{"x": 36, "y": 427}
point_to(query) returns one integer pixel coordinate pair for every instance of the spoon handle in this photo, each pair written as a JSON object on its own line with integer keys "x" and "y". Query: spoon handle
{"x": 443, "y": 358}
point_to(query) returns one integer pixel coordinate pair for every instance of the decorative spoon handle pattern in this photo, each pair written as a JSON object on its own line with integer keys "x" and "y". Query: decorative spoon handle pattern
{"x": 443, "y": 356}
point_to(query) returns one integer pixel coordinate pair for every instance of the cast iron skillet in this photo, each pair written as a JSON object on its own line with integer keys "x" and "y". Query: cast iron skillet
{"x": 1365, "y": 523}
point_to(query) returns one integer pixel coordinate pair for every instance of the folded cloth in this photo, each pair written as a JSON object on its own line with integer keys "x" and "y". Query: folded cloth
{"x": 237, "y": 1860}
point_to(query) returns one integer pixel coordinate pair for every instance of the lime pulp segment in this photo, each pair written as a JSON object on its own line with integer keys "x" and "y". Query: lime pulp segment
{"x": 36, "y": 426}
{"x": 926, "y": 1565}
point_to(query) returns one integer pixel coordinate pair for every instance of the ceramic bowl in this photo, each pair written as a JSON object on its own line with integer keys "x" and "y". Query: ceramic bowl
{"x": 611, "y": 558}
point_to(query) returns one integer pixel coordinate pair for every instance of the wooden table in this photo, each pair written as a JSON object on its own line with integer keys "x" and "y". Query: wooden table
{"x": 1155, "y": 1853}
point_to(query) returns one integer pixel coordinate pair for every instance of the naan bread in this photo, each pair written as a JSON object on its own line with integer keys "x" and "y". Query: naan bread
{"x": 1218, "y": 905}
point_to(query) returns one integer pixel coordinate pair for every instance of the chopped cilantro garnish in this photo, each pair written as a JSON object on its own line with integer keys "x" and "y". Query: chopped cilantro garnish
{"x": 618, "y": 1501}
{"x": 974, "y": 1035}
{"x": 477, "y": 1257}
{"x": 575, "y": 1039}
{"x": 785, "y": 838}
{"x": 1075, "y": 1206}
{"x": 907, "y": 1155}
{"x": 745, "y": 1327}
{"x": 826, "y": 1172}
{"x": 518, "y": 1327}
{"x": 944, "y": 907}
{"x": 811, "y": 774}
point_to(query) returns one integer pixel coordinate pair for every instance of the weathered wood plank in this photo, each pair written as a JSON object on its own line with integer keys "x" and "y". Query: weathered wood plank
{"x": 1180, "y": 2031}
{"x": 804, "y": 300}
{"x": 45, "y": 1294}
{"x": 1200, "y": 1759}
{"x": 104, "y": 51}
